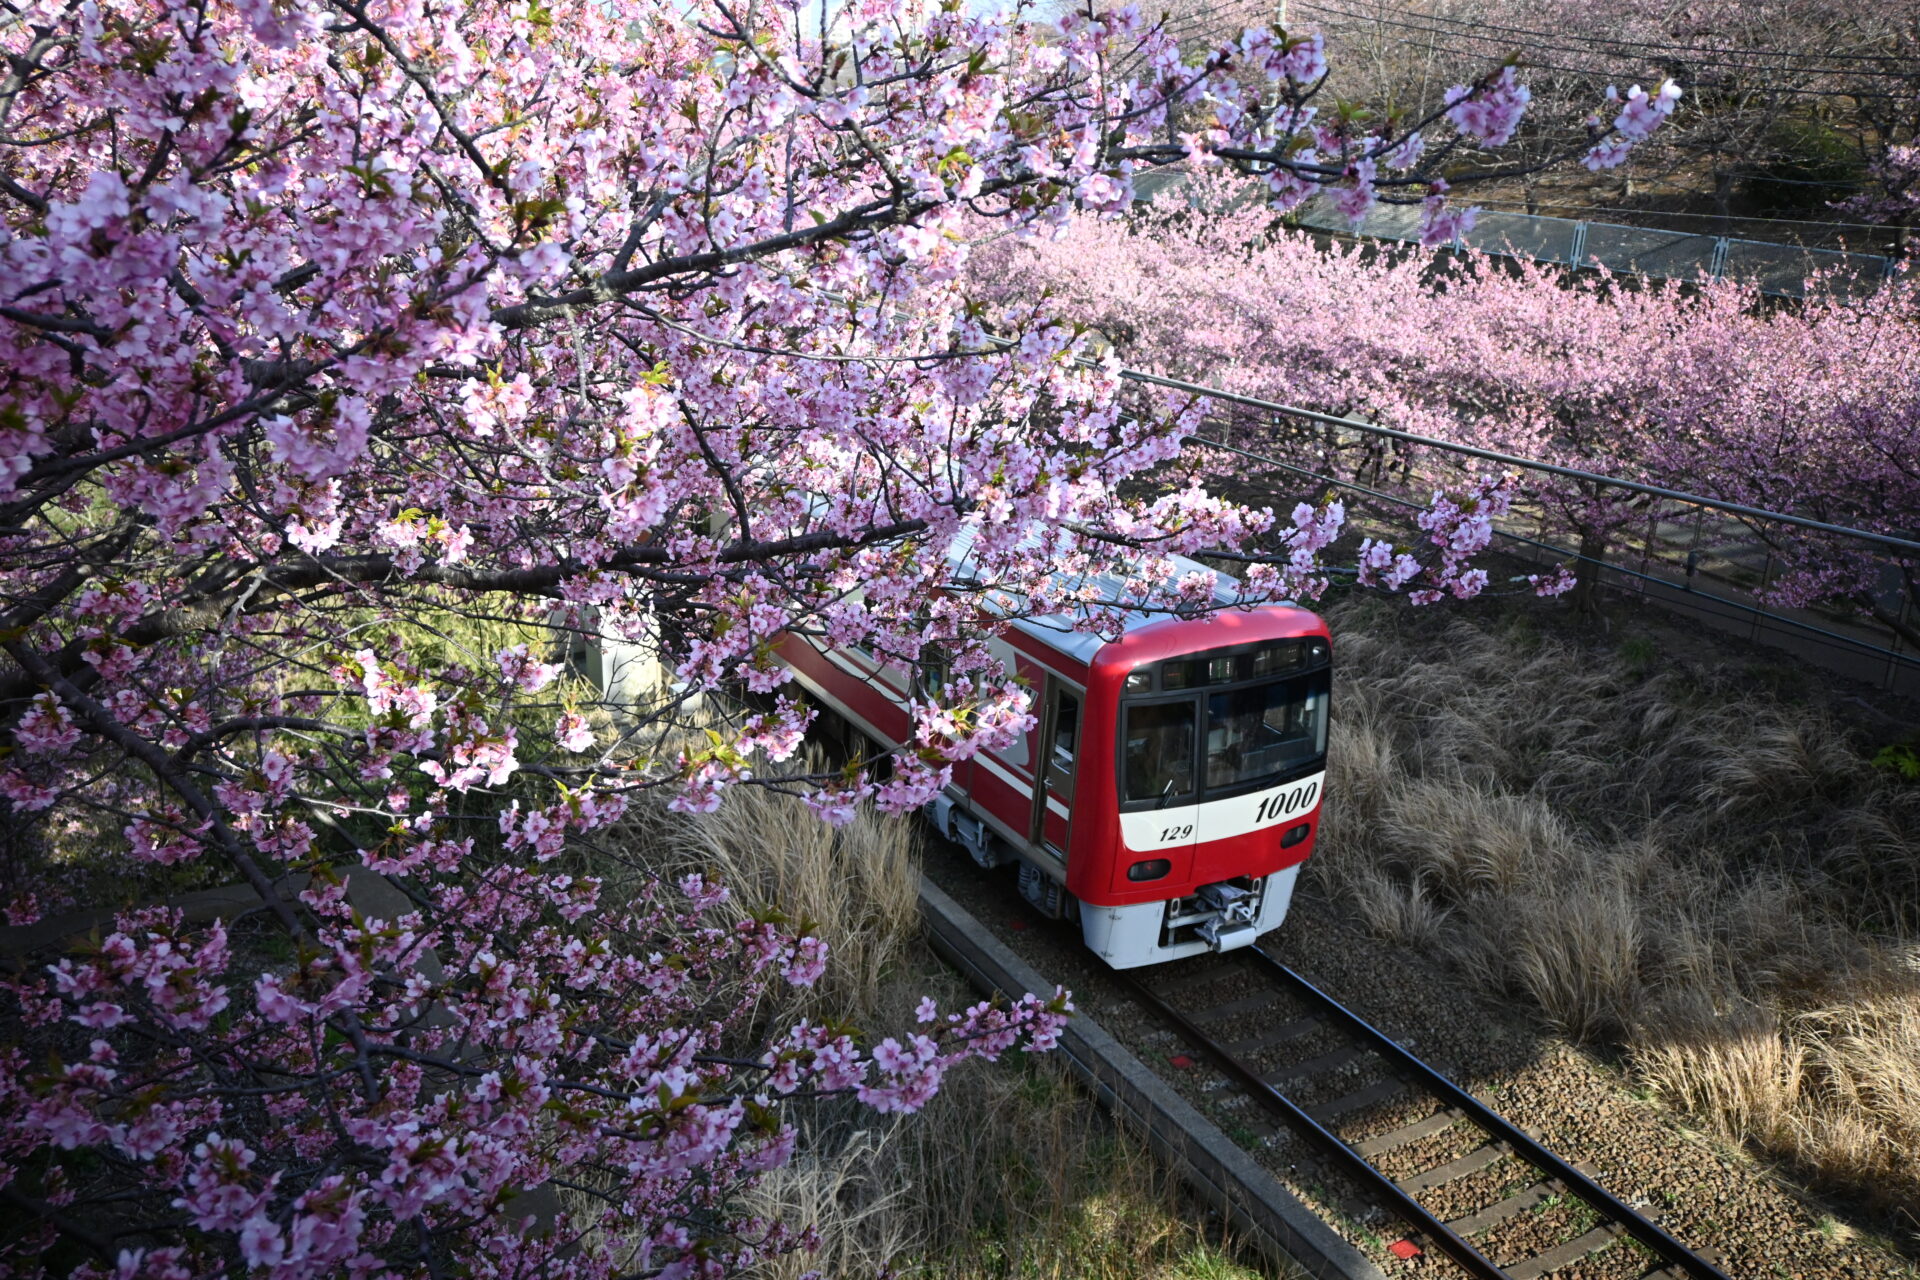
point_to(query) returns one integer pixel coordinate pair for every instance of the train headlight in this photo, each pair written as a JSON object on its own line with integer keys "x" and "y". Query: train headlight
{"x": 1294, "y": 835}
{"x": 1139, "y": 681}
{"x": 1151, "y": 869}
{"x": 1317, "y": 652}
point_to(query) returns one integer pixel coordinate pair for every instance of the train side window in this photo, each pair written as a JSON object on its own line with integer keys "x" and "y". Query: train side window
{"x": 1066, "y": 732}
{"x": 1016, "y": 754}
{"x": 934, "y": 670}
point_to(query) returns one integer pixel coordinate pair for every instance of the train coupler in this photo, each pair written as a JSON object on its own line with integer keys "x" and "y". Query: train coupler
{"x": 1232, "y": 924}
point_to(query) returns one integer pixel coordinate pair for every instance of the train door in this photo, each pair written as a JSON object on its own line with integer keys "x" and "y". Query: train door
{"x": 1061, "y": 723}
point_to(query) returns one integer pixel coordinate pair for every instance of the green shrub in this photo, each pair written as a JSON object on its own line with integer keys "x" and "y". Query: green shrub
{"x": 1804, "y": 165}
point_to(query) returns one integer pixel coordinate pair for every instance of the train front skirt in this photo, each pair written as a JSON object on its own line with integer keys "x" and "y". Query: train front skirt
{"x": 1213, "y": 919}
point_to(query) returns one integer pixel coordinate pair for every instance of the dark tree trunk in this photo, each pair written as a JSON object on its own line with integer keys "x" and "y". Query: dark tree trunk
{"x": 1585, "y": 596}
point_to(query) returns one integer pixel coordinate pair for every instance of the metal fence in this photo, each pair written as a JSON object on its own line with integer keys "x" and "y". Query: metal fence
{"x": 1688, "y": 556}
{"x": 1775, "y": 268}
{"x": 1704, "y": 558}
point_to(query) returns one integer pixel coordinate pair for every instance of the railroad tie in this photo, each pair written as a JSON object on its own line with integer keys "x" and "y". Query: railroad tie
{"x": 1472, "y": 1162}
{"x": 1493, "y": 1215}
{"x": 1233, "y": 1008}
{"x": 1326, "y": 1062}
{"x": 1278, "y": 1036}
{"x": 1393, "y": 1139}
{"x": 1378, "y": 1091}
{"x": 1670, "y": 1272}
{"x": 1188, "y": 981}
{"x": 1674, "y": 1271}
{"x": 1565, "y": 1254}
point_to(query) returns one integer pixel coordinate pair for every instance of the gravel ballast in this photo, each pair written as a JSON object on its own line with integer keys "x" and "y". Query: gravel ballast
{"x": 1707, "y": 1196}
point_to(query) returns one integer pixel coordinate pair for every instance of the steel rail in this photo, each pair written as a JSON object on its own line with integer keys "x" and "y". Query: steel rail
{"x": 1673, "y": 1256}
{"x": 1517, "y": 1140}
{"x": 1402, "y": 1205}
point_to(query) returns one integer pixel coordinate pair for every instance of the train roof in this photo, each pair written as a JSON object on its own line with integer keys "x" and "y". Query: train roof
{"x": 1137, "y": 636}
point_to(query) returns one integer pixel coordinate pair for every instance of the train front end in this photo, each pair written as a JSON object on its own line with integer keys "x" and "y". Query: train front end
{"x": 1193, "y": 841}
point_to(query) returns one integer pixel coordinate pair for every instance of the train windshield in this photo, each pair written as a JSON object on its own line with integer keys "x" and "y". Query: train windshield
{"x": 1159, "y": 751}
{"x": 1222, "y": 742}
{"x": 1261, "y": 731}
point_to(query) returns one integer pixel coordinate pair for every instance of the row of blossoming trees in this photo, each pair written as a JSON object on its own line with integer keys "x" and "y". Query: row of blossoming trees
{"x": 325, "y": 321}
{"x": 1811, "y": 408}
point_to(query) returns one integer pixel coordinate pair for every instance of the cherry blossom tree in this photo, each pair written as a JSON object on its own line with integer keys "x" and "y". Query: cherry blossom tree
{"x": 1895, "y": 196}
{"x": 1812, "y": 409}
{"x": 334, "y": 333}
{"x": 1706, "y": 387}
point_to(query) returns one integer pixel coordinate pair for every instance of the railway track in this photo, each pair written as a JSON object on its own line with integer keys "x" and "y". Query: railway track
{"x": 1313, "y": 1065}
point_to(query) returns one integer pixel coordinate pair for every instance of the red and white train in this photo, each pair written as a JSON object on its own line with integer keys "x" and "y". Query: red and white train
{"x": 1170, "y": 789}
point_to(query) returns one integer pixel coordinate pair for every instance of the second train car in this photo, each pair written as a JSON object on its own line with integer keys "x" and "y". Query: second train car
{"x": 1171, "y": 787}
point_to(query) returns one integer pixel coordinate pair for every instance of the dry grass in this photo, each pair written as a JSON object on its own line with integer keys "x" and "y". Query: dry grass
{"x": 1011, "y": 1171}
{"x": 1710, "y": 878}
{"x": 856, "y": 887}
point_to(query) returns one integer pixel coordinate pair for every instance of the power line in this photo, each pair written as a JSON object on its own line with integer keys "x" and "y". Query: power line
{"x": 1193, "y": 23}
{"x": 1548, "y": 40}
{"x": 1662, "y": 46}
{"x": 1189, "y": 24}
{"x": 1592, "y": 72}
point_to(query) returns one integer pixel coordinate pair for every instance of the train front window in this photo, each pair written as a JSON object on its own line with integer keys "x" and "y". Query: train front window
{"x": 1158, "y": 751}
{"x": 1259, "y": 731}
{"x": 1246, "y": 719}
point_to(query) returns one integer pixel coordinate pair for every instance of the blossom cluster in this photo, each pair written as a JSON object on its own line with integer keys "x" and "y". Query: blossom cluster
{"x": 358, "y": 358}
{"x": 1703, "y": 387}
{"x": 553, "y": 1052}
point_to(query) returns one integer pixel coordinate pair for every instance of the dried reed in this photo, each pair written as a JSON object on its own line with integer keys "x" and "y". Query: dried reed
{"x": 1708, "y": 876}
{"x": 1011, "y": 1171}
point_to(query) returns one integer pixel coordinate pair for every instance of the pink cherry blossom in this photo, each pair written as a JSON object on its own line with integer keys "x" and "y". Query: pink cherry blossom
{"x": 1490, "y": 112}
{"x": 358, "y": 362}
